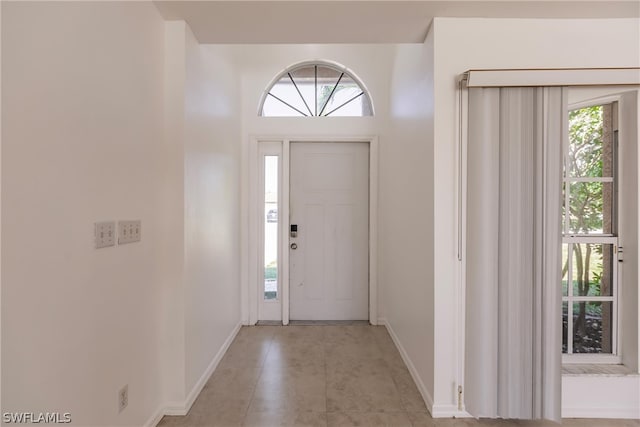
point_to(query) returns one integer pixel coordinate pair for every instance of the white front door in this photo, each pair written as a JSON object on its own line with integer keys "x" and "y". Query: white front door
{"x": 329, "y": 257}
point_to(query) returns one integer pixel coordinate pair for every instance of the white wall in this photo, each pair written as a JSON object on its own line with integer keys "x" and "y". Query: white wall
{"x": 81, "y": 122}
{"x": 109, "y": 114}
{"x": 406, "y": 214}
{"x": 202, "y": 148}
{"x": 172, "y": 245}
{"x": 462, "y": 44}
{"x": 212, "y": 204}
{"x": 591, "y": 397}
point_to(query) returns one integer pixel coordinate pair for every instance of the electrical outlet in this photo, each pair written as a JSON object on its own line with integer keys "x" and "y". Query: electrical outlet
{"x": 123, "y": 398}
{"x": 105, "y": 234}
{"x": 129, "y": 231}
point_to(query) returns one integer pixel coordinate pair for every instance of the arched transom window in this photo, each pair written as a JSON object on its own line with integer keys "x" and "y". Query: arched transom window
{"x": 316, "y": 89}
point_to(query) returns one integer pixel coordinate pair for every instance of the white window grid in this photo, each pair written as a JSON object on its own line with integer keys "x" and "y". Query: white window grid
{"x": 570, "y": 299}
{"x": 569, "y": 238}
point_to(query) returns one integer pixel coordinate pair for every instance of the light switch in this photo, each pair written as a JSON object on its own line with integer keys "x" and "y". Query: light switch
{"x": 129, "y": 231}
{"x": 105, "y": 234}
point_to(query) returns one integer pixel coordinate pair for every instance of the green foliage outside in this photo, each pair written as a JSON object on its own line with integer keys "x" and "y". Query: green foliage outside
{"x": 585, "y": 160}
{"x": 325, "y": 93}
{"x": 586, "y": 207}
{"x": 586, "y": 216}
{"x": 271, "y": 271}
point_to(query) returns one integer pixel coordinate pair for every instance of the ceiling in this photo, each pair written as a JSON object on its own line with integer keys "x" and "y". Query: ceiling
{"x": 327, "y": 21}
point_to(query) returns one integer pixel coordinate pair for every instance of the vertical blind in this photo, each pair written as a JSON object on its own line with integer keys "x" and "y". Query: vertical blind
{"x": 513, "y": 311}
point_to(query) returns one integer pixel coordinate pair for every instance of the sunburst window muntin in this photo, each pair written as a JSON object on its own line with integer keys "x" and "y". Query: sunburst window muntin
{"x": 316, "y": 89}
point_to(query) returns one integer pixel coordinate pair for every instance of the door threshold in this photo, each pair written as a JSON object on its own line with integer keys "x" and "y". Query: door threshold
{"x": 327, "y": 322}
{"x": 269, "y": 323}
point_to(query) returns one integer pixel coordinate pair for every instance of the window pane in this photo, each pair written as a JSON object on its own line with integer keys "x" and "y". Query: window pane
{"x": 592, "y": 327}
{"x": 592, "y": 269}
{"x": 590, "y": 148}
{"x": 345, "y": 100}
{"x": 565, "y": 269}
{"x": 591, "y": 208}
{"x": 564, "y": 327}
{"x": 284, "y": 100}
{"x": 270, "y": 227}
{"x": 564, "y": 207}
{"x": 327, "y": 79}
{"x": 274, "y": 108}
{"x": 305, "y": 78}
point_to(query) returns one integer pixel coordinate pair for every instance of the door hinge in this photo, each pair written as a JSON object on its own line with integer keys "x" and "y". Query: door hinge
{"x": 459, "y": 398}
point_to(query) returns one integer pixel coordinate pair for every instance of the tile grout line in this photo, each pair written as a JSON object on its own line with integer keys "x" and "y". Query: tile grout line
{"x": 393, "y": 379}
{"x": 255, "y": 386}
{"x": 326, "y": 377}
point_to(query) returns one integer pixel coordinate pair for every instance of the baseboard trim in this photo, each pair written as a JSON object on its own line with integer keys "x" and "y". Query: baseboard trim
{"x": 449, "y": 411}
{"x": 583, "y": 412}
{"x": 176, "y": 409}
{"x": 197, "y": 388}
{"x": 182, "y": 408}
{"x": 155, "y": 418}
{"x": 412, "y": 369}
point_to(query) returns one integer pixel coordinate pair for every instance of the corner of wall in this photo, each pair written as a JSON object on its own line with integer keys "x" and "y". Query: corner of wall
{"x": 200, "y": 171}
{"x": 424, "y": 391}
{"x": 171, "y": 173}
{"x": 408, "y": 253}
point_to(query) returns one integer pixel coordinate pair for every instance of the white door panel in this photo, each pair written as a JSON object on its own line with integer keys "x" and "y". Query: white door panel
{"x": 329, "y": 202}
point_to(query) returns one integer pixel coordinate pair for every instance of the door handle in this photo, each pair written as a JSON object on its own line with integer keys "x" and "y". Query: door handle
{"x": 294, "y": 246}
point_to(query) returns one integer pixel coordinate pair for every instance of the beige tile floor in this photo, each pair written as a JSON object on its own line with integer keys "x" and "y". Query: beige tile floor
{"x": 338, "y": 375}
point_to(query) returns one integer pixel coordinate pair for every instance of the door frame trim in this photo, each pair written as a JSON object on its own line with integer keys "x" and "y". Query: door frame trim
{"x": 250, "y": 291}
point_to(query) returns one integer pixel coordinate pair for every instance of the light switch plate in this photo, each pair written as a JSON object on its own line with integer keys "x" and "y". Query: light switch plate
{"x": 129, "y": 231}
{"x": 105, "y": 234}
